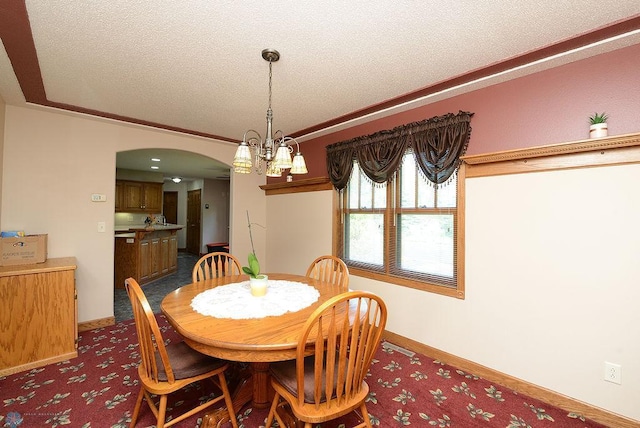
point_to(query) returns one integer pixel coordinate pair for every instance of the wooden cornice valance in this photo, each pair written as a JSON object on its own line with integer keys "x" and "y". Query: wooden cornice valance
{"x": 619, "y": 149}
{"x": 298, "y": 186}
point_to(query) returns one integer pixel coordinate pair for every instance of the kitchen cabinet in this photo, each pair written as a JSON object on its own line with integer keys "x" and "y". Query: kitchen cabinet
{"x": 38, "y": 314}
{"x": 145, "y": 255}
{"x": 169, "y": 254}
{"x": 144, "y": 262}
{"x": 119, "y": 196}
{"x": 138, "y": 196}
{"x": 154, "y": 258}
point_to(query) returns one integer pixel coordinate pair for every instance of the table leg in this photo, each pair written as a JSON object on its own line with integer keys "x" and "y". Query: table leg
{"x": 246, "y": 386}
{"x": 261, "y": 388}
{"x": 240, "y": 383}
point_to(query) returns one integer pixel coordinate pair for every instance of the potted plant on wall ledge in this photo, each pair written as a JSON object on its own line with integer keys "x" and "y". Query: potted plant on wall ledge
{"x": 598, "y": 128}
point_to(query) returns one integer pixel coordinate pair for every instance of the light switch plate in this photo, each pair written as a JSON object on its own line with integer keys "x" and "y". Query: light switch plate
{"x": 98, "y": 197}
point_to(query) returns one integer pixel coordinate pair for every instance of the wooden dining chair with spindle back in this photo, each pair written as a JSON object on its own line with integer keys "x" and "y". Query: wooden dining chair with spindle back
{"x": 215, "y": 265}
{"x": 333, "y": 356}
{"x": 330, "y": 269}
{"x": 166, "y": 368}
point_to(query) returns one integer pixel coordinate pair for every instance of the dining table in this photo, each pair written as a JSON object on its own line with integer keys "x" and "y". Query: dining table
{"x": 221, "y": 318}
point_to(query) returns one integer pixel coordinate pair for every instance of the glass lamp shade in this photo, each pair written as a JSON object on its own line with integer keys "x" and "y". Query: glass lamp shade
{"x": 299, "y": 166}
{"x": 242, "y": 159}
{"x": 273, "y": 171}
{"x": 283, "y": 157}
{"x": 242, "y": 170}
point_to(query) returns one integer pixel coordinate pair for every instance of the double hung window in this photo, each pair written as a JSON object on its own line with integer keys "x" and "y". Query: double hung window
{"x": 397, "y": 222}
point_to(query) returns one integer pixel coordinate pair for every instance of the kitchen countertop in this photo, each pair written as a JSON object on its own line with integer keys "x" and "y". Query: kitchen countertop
{"x": 137, "y": 227}
{"x": 126, "y": 235}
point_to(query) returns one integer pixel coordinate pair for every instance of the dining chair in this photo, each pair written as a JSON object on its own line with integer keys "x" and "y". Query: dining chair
{"x": 330, "y": 269}
{"x": 333, "y": 356}
{"x": 215, "y": 265}
{"x": 166, "y": 368}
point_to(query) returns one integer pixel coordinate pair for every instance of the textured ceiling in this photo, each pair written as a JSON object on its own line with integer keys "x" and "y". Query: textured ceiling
{"x": 196, "y": 66}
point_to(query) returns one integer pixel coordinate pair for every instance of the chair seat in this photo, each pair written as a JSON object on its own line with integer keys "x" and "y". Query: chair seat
{"x": 333, "y": 356}
{"x": 285, "y": 373}
{"x": 186, "y": 362}
{"x": 167, "y": 368}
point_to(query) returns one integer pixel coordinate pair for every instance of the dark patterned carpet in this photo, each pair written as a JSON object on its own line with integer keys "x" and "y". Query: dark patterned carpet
{"x": 99, "y": 387}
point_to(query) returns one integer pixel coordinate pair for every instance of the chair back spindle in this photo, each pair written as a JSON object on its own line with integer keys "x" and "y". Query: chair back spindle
{"x": 330, "y": 269}
{"x": 215, "y": 265}
{"x": 333, "y": 356}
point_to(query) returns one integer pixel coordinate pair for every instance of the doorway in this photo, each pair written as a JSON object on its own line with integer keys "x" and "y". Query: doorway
{"x": 170, "y": 206}
{"x": 193, "y": 221}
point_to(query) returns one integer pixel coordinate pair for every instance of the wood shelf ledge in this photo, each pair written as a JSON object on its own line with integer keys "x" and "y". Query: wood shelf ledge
{"x": 298, "y": 186}
{"x": 615, "y": 150}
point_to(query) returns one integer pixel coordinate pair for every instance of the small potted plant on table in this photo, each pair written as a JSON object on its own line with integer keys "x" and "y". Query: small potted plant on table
{"x": 257, "y": 281}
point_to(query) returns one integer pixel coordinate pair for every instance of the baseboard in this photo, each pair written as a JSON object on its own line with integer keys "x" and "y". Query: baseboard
{"x": 99, "y": 323}
{"x": 562, "y": 401}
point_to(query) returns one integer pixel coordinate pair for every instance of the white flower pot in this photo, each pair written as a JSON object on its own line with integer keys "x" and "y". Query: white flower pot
{"x": 598, "y": 130}
{"x": 259, "y": 285}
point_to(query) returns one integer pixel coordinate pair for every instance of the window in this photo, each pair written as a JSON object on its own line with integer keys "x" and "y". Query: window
{"x": 410, "y": 241}
{"x": 401, "y": 216}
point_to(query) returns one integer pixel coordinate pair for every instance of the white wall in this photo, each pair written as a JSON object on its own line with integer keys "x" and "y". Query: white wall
{"x": 299, "y": 230}
{"x": 53, "y": 162}
{"x": 551, "y": 279}
{"x": 181, "y": 188}
{"x": 215, "y": 212}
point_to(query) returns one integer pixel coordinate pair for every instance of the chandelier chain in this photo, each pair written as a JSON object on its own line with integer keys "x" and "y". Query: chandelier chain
{"x": 270, "y": 63}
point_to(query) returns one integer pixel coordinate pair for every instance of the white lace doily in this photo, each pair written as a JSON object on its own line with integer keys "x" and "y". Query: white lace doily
{"x": 235, "y": 300}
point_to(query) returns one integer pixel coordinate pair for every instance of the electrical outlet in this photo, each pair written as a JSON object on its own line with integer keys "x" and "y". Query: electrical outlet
{"x": 613, "y": 372}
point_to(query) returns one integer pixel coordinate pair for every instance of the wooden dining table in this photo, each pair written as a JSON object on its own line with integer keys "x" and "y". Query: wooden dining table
{"x": 258, "y": 341}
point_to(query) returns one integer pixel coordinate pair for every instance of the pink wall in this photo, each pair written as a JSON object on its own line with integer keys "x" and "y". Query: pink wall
{"x": 548, "y": 107}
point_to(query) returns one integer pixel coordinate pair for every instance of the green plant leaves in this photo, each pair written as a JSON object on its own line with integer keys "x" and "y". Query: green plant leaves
{"x": 598, "y": 118}
{"x": 253, "y": 269}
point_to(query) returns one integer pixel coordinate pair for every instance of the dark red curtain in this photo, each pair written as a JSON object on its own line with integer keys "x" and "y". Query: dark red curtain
{"x": 438, "y": 143}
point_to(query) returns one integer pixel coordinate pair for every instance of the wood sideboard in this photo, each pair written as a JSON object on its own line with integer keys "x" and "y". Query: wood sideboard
{"x": 38, "y": 314}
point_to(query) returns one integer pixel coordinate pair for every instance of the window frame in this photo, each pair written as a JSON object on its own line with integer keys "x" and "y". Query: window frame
{"x": 384, "y": 274}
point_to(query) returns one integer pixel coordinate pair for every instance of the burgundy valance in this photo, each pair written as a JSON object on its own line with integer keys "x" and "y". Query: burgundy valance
{"x": 438, "y": 143}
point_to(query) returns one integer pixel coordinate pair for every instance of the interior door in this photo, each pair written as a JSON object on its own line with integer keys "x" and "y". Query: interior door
{"x": 170, "y": 207}
{"x": 193, "y": 221}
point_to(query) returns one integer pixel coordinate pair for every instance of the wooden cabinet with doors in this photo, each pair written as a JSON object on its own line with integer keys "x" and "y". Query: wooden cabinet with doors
{"x": 154, "y": 257}
{"x": 119, "y": 199}
{"x": 138, "y": 196}
{"x": 144, "y": 262}
{"x": 38, "y": 314}
{"x": 168, "y": 254}
{"x": 145, "y": 255}
{"x": 173, "y": 253}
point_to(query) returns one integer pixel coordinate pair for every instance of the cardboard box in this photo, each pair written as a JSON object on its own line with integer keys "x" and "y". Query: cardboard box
{"x": 23, "y": 250}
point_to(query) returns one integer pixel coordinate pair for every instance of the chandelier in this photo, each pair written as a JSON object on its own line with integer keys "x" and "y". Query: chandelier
{"x": 273, "y": 154}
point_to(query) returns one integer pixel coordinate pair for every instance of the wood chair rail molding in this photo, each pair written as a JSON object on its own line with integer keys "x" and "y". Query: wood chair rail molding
{"x": 616, "y": 150}
{"x": 298, "y": 186}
